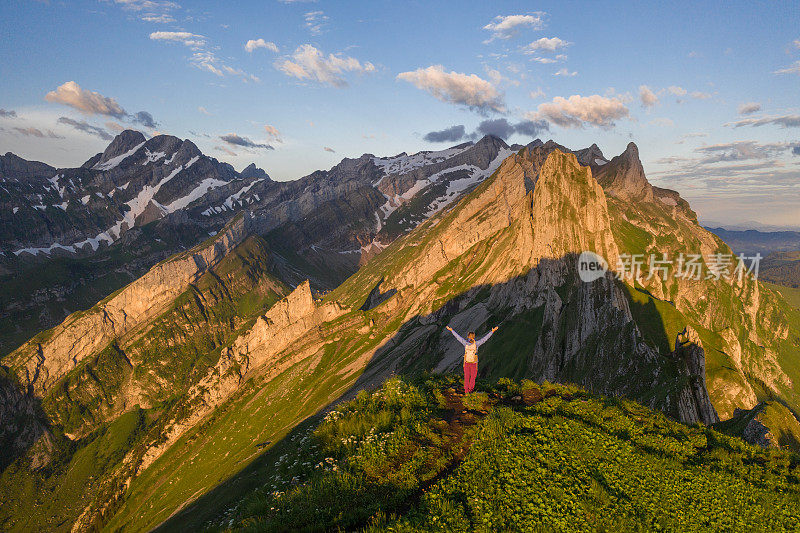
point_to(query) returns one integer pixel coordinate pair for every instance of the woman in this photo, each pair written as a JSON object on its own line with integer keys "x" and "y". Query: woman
{"x": 470, "y": 356}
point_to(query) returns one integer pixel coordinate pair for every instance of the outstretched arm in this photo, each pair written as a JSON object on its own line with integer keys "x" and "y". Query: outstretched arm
{"x": 485, "y": 337}
{"x": 458, "y": 337}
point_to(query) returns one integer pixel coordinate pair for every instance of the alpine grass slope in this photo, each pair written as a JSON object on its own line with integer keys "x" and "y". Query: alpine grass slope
{"x": 166, "y": 409}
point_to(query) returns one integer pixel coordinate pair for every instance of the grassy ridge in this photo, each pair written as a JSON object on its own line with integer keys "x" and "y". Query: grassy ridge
{"x": 121, "y": 397}
{"x": 523, "y": 457}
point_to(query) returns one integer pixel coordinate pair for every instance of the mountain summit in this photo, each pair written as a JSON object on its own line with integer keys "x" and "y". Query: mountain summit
{"x": 623, "y": 176}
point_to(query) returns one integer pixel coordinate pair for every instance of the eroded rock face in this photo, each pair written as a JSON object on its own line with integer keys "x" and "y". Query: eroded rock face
{"x": 259, "y": 349}
{"x": 623, "y": 177}
{"x": 46, "y": 358}
{"x": 21, "y": 426}
{"x": 694, "y": 404}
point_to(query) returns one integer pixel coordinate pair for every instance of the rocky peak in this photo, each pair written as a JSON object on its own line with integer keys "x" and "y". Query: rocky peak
{"x": 569, "y": 211}
{"x": 123, "y": 143}
{"x": 254, "y": 172}
{"x": 623, "y": 177}
{"x": 491, "y": 141}
{"x": 590, "y": 156}
{"x": 535, "y": 143}
{"x": 11, "y": 165}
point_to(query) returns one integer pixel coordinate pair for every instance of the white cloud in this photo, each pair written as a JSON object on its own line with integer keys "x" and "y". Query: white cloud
{"x": 538, "y": 93}
{"x": 329, "y": 149}
{"x": 192, "y": 40}
{"x": 163, "y": 18}
{"x": 202, "y": 56}
{"x": 544, "y": 60}
{"x": 698, "y": 95}
{"x": 545, "y": 44}
{"x": 794, "y": 68}
{"x": 565, "y": 72}
{"x": 785, "y": 121}
{"x": 315, "y": 21}
{"x": 676, "y": 90}
{"x": 748, "y": 108}
{"x": 456, "y": 88}
{"x": 741, "y": 151}
{"x": 158, "y": 11}
{"x": 647, "y": 96}
{"x": 662, "y": 122}
{"x": 88, "y": 102}
{"x": 308, "y": 63}
{"x": 273, "y": 133}
{"x": 506, "y": 27}
{"x": 208, "y": 61}
{"x": 577, "y": 111}
{"x": 252, "y": 45}
{"x": 203, "y": 110}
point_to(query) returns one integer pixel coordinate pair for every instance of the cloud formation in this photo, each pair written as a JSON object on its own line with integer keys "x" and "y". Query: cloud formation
{"x": 647, "y": 96}
{"x": 741, "y": 151}
{"x": 35, "y": 132}
{"x": 506, "y": 27}
{"x": 748, "y": 108}
{"x": 499, "y": 127}
{"x": 88, "y": 102}
{"x": 253, "y": 45}
{"x": 145, "y": 119}
{"x": 785, "y": 121}
{"x": 237, "y": 140}
{"x": 545, "y": 44}
{"x": 565, "y": 72}
{"x": 273, "y": 133}
{"x": 794, "y": 68}
{"x": 158, "y": 11}
{"x": 308, "y": 63}
{"x": 577, "y": 111}
{"x": 451, "y": 134}
{"x": 192, "y": 40}
{"x": 329, "y": 149}
{"x": 202, "y": 56}
{"x": 315, "y": 21}
{"x": 7, "y": 113}
{"x": 85, "y": 127}
{"x": 456, "y": 88}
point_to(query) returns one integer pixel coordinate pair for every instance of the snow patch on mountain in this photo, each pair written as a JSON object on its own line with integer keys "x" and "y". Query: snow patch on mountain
{"x": 115, "y": 161}
{"x": 198, "y": 192}
{"x": 229, "y": 202}
{"x": 152, "y": 157}
{"x": 406, "y": 163}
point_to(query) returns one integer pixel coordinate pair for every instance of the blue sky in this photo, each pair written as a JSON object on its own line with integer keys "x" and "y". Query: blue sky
{"x": 709, "y": 91}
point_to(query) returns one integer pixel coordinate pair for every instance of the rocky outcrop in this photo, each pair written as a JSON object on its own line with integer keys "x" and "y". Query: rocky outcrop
{"x": 46, "y": 358}
{"x": 259, "y": 349}
{"x": 22, "y": 425}
{"x": 591, "y": 156}
{"x": 13, "y": 167}
{"x": 252, "y": 171}
{"x": 623, "y": 177}
{"x": 693, "y": 402}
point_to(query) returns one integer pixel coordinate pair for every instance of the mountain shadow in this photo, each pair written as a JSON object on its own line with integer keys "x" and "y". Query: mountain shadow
{"x": 605, "y": 353}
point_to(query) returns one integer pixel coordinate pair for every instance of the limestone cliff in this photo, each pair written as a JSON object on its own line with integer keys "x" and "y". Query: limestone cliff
{"x": 49, "y": 356}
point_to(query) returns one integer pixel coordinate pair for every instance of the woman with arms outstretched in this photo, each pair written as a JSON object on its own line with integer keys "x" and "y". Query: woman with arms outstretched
{"x": 470, "y": 355}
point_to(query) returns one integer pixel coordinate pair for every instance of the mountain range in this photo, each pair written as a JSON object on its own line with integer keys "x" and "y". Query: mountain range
{"x": 232, "y": 311}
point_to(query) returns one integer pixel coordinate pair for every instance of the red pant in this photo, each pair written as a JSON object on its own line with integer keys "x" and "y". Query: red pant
{"x": 470, "y": 372}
